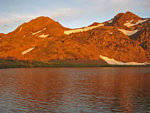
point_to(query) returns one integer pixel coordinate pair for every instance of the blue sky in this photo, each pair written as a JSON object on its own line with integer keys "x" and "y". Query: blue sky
{"x": 70, "y": 13}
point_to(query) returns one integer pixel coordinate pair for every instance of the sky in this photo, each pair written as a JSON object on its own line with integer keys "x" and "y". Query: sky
{"x": 69, "y": 13}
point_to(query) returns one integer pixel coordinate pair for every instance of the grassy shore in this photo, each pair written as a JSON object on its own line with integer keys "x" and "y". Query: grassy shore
{"x": 26, "y": 64}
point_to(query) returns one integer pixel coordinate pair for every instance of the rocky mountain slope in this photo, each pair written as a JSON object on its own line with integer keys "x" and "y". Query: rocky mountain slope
{"x": 125, "y": 38}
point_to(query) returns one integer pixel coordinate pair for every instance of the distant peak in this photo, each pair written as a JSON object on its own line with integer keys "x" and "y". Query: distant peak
{"x": 128, "y": 13}
{"x": 94, "y": 24}
{"x": 126, "y": 16}
{"x": 43, "y": 18}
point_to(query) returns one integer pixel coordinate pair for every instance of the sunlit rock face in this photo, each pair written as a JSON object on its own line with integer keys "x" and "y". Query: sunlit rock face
{"x": 124, "y": 38}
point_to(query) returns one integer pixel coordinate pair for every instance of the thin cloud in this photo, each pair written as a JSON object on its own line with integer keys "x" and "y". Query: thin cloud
{"x": 66, "y": 14}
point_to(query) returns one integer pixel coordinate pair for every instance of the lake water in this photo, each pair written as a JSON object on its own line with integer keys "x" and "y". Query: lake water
{"x": 75, "y": 90}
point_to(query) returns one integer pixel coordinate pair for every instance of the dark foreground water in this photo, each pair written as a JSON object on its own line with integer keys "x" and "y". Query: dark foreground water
{"x": 75, "y": 90}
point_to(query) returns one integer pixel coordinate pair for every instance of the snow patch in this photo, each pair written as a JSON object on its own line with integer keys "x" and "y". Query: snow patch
{"x": 114, "y": 62}
{"x": 129, "y": 23}
{"x": 20, "y": 29}
{"x": 43, "y": 36}
{"x": 141, "y": 21}
{"x": 128, "y": 33}
{"x": 28, "y": 50}
{"x": 81, "y": 30}
{"x": 44, "y": 29}
{"x": 110, "y": 21}
{"x": 38, "y": 31}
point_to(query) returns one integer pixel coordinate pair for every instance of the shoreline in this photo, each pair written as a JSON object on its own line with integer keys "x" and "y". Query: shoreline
{"x": 5, "y": 64}
{"x": 71, "y": 66}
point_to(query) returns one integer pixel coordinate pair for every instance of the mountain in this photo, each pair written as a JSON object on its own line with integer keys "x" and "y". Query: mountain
{"x": 131, "y": 22}
{"x": 42, "y": 24}
{"x": 121, "y": 19}
{"x": 124, "y": 38}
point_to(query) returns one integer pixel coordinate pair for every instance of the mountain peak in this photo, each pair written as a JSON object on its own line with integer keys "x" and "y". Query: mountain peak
{"x": 126, "y": 16}
{"x": 120, "y": 19}
{"x": 36, "y": 24}
{"x": 94, "y": 24}
{"x": 40, "y": 25}
{"x": 42, "y": 19}
{"x": 128, "y": 13}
